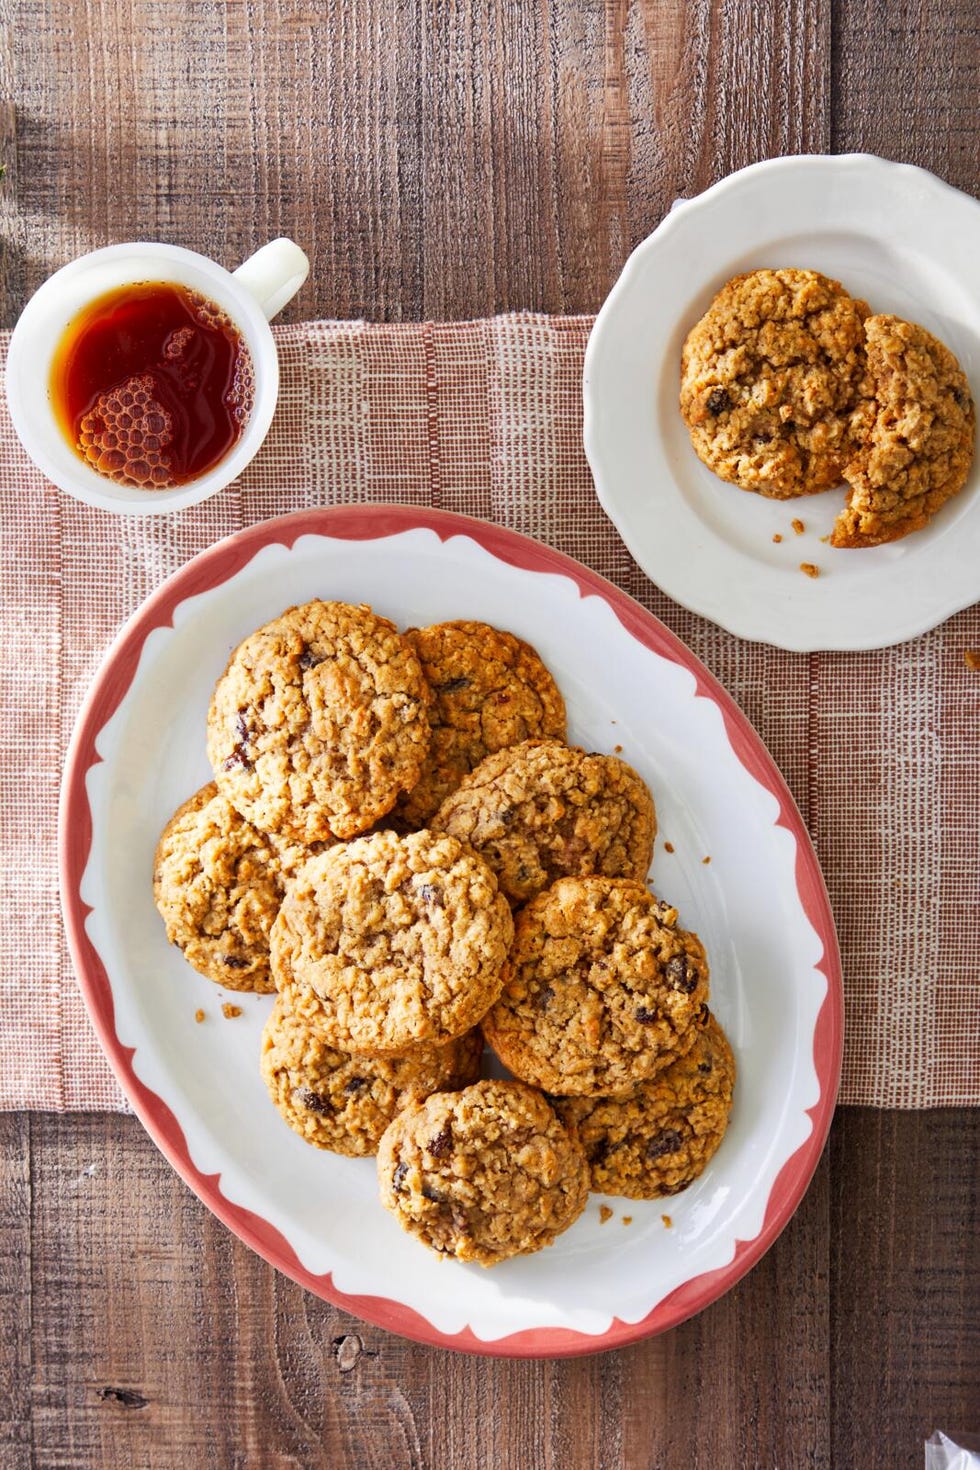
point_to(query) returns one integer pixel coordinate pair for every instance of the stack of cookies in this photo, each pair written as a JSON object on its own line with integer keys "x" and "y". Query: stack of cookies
{"x": 789, "y": 385}
{"x": 399, "y": 842}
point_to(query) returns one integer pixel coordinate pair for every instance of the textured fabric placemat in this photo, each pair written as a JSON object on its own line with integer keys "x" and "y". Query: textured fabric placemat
{"x": 880, "y": 749}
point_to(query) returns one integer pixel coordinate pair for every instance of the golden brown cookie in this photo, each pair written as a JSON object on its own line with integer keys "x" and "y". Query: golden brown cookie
{"x": 490, "y": 690}
{"x": 387, "y": 942}
{"x": 774, "y": 387}
{"x": 920, "y": 447}
{"x": 291, "y": 856}
{"x": 603, "y": 988}
{"x": 218, "y": 886}
{"x": 483, "y": 1174}
{"x": 345, "y": 1103}
{"x": 319, "y": 722}
{"x": 542, "y": 810}
{"x": 657, "y": 1139}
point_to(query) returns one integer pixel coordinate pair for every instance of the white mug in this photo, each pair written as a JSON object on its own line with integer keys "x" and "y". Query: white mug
{"x": 249, "y": 296}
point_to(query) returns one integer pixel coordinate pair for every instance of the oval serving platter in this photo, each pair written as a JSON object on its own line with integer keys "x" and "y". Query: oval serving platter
{"x": 760, "y": 906}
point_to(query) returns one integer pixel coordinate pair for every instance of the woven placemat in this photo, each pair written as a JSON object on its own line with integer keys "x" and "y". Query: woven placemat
{"x": 880, "y": 749}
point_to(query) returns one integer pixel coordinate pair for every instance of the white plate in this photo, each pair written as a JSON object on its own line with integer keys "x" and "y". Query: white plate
{"x": 760, "y": 906}
{"x": 893, "y": 234}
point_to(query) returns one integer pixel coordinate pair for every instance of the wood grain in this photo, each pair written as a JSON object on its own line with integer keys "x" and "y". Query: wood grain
{"x": 905, "y": 1333}
{"x": 451, "y": 161}
{"x": 150, "y": 1336}
{"x": 906, "y": 82}
{"x": 16, "y": 1296}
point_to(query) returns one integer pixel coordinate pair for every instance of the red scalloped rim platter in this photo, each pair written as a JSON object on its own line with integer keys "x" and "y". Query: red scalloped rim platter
{"x": 760, "y": 906}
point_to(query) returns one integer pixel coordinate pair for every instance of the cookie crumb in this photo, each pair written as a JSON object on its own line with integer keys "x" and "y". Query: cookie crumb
{"x": 809, "y": 568}
{"x": 668, "y": 1222}
{"x": 706, "y": 860}
{"x": 627, "y": 1219}
{"x": 798, "y": 525}
{"x": 229, "y": 1011}
{"x": 668, "y": 847}
{"x": 605, "y": 1213}
{"x": 825, "y": 540}
{"x": 971, "y": 657}
{"x": 617, "y": 750}
{"x": 199, "y": 1016}
{"x": 777, "y": 538}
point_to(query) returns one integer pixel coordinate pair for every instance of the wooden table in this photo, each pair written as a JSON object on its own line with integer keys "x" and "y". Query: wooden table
{"x": 453, "y": 160}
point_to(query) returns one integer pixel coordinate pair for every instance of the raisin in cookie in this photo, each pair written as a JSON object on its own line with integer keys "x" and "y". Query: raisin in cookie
{"x": 319, "y": 722}
{"x": 387, "y": 942}
{"x": 490, "y": 690}
{"x": 657, "y": 1139}
{"x": 542, "y": 810}
{"x": 483, "y": 1174}
{"x": 920, "y": 447}
{"x": 345, "y": 1103}
{"x": 602, "y": 991}
{"x": 218, "y": 885}
{"x": 774, "y": 384}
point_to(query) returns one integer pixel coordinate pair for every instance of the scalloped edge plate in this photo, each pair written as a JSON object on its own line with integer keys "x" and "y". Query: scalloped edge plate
{"x": 761, "y": 906}
{"x": 894, "y": 234}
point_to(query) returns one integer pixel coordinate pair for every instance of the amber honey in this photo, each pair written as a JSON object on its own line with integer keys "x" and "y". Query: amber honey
{"x": 152, "y": 385}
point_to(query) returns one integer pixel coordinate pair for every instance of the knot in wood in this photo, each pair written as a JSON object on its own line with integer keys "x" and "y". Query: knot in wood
{"x": 347, "y": 1351}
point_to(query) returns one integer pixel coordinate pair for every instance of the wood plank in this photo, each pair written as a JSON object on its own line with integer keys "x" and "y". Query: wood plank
{"x": 16, "y": 1300}
{"x": 905, "y": 85}
{"x": 905, "y": 1300}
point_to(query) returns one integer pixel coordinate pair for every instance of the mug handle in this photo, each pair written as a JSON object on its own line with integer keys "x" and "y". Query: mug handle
{"x": 274, "y": 274}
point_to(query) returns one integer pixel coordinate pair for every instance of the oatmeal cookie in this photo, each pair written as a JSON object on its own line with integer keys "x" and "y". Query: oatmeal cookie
{"x": 482, "y": 1174}
{"x": 387, "y": 942}
{"x": 490, "y": 690}
{"x": 603, "y": 989}
{"x": 345, "y": 1103}
{"x": 291, "y": 856}
{"x": 920, "y": 447}
{"x": 218, "y": 885}
{"x": 319, "y": 722}
{"x": 774, "y": 385}
{"x": 542, "y": 810}
{"x": 657, "y": 1139}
